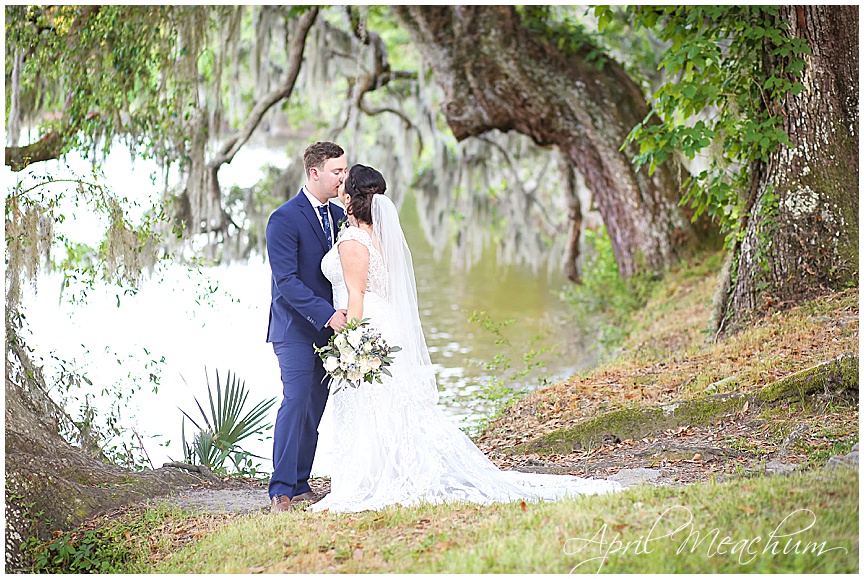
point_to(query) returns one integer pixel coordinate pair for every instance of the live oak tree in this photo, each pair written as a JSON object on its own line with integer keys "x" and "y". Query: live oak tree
{"x": 799, "y": 232}
{"x": 780, "y": 87}
{"x": 767, "y": 94}
{"x": 503, "y": 71}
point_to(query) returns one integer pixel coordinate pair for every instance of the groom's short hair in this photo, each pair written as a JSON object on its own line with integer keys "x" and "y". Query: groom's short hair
{"x": 317, "y": 154}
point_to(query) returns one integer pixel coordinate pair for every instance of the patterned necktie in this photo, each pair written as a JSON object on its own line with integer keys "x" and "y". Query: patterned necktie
{"x": 325, "y": 220}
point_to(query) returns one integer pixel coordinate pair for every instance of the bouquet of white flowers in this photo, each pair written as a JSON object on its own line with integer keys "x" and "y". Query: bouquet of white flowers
{"x": 356, "y": 354}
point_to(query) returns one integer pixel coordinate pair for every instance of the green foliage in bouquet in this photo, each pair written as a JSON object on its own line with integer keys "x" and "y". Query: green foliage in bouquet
{"x": 356, "y": 354}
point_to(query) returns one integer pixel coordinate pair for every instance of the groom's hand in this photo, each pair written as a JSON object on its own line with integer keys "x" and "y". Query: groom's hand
{"x": 339, "y": 319}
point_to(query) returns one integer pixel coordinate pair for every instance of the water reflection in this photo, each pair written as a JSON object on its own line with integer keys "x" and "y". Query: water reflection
{"x": 461, "y": 350}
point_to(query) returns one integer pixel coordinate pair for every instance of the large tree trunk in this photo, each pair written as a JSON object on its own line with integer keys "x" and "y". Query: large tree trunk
{"x": 52, "y": 485}
{"x": 800, "y": 238}
{"x": 497, "y": 74}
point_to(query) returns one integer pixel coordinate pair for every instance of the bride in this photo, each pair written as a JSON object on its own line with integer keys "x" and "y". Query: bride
{"x": 392, "y": 443}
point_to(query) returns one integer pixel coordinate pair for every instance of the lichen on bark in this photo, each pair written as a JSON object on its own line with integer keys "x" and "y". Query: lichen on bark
{"x": 800, "y": 235}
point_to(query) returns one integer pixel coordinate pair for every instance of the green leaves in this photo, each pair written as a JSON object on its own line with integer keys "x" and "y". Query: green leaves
{"x": 604, "y": 300}
{"x": 111, "y": 72}
{"x": 559, "y": 28}
{"x": 721, "y": 105}
{"x": 604, "y": 17}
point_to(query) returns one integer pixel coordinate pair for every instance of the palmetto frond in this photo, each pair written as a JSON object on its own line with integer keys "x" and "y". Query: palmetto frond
{"x": 226, "y": 425}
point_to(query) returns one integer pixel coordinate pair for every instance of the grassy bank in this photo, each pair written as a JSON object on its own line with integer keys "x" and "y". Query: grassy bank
{"x": 740, "y": 520}
{"x": 801, "y": 523}
{"x": 670, "y": 357}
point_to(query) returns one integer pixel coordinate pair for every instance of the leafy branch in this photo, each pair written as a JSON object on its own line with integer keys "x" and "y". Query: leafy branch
{"x": 721, "y": 104}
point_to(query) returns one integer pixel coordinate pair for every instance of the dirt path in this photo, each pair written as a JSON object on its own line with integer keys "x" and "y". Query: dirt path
{"x": 799, "y": 432}
{"x": 675, "y": 457}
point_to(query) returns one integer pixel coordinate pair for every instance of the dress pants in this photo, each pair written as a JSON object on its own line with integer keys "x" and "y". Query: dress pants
{"x": 295, "y": 434}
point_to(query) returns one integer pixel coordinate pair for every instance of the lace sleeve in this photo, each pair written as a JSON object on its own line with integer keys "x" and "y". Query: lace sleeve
{"x": 356, "y": 234}
{"x": 377, "y": 275}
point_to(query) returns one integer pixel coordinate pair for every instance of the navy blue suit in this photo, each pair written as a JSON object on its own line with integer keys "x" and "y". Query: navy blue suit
{"x": 300, "y": 306}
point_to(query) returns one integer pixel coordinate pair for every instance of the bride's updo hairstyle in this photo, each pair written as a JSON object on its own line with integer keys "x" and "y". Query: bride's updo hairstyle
{"x": 362, "y": 183}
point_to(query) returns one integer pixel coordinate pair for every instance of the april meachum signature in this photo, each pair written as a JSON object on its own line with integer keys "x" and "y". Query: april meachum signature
{"x": 745, "y": 549}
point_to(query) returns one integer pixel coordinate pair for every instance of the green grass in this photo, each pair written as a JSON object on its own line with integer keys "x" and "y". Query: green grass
{"x": 837, "y": 446}
{"x": 627, "y": 532}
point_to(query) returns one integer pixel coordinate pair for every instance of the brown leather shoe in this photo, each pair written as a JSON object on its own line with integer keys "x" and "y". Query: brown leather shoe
{"x": 280, "y": 503}
{"x": 302, "y": 497}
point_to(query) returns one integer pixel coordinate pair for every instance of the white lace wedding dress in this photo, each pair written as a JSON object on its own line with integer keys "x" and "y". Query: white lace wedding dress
{"x": 394, "y": 447}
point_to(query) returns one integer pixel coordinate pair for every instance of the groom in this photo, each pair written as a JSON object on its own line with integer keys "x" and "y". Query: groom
{"x": 299, "y": 233}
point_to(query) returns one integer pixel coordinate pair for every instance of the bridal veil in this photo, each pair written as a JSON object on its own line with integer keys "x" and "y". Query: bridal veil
{"x": 403, "y": 298}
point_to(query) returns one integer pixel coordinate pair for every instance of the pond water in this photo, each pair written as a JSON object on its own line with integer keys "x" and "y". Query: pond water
{"x": 175, "y": 316}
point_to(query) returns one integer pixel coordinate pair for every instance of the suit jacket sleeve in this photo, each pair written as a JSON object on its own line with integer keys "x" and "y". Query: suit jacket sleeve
{"x": 283, "y": 250}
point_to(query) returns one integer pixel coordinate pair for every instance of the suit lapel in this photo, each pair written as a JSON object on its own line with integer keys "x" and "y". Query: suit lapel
{"x": 311, "y": 216}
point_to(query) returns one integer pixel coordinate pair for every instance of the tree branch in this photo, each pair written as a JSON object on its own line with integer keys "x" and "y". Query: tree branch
{"x": 283, "y": 91}
{"x": 380, "y": 77}
{"x": 48, "y": 147}
{"x": 574, "y": 218}
{"x": 379, "y": 110}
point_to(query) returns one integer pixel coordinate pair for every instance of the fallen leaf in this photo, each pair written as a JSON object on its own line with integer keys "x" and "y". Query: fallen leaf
{"x": 697, "y": 456}
{"x": 524, "y": 506}
{"x": 746, "y": 509}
